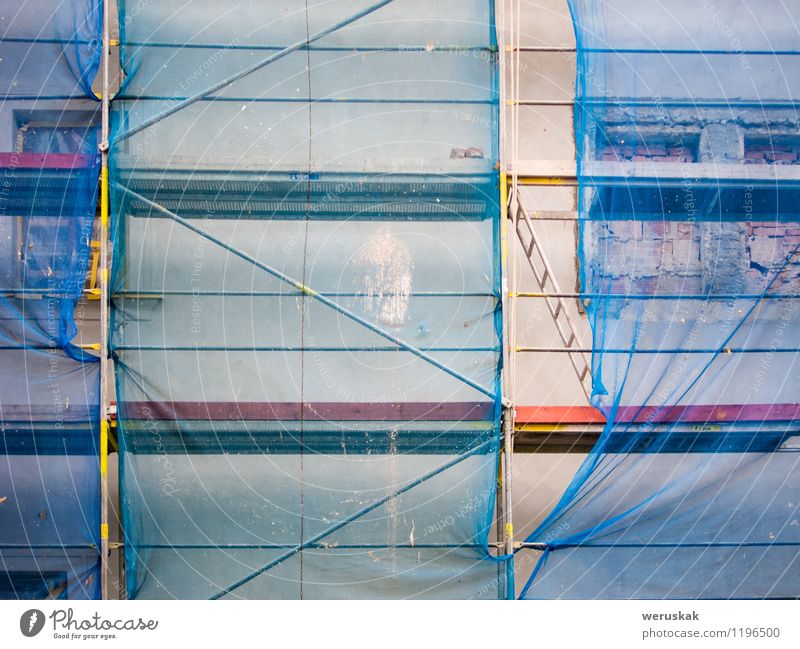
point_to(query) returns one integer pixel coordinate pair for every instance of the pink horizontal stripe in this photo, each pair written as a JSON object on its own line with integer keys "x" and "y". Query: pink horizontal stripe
{"x": 318, "y": 411}
{"x": 45, "y": 160}
{"x": 653, "y": 414}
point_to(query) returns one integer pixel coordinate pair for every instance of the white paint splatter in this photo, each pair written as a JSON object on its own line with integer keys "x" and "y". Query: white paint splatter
{"x": 385, "y": 265}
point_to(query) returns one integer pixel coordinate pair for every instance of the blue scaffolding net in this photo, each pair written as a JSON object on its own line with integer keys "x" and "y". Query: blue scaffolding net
{"x": 687, "y": 136}
{"x": 306, "y": 298}
{"x": 49, "y": 388}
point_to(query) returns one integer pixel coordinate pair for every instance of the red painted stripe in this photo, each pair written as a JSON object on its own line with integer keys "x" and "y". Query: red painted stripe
{"x": 458, "y": 411}
{"x": 45, "y": 160}
{"x": 319, "y": 411}
{"x": 653, "y": 414}
{"x": 559, "y": 415}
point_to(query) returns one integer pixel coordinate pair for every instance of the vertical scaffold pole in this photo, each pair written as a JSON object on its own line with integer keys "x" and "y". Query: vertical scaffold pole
{"x": 508, "y": 403}
{"x": 509, "y": 416}
{"x": 504, "y": 519}
{"x": 500, "y": 12}
{"x": 104, "y": 322}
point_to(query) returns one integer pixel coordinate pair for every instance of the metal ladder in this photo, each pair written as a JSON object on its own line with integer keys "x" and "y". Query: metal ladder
{"x": 551, "y": 292}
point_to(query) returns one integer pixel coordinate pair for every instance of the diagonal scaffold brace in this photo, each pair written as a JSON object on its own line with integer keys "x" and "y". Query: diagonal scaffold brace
{"x": 310, "y": 292}
{"x": 188, "y": 101}
{"x": 351, "y": 518}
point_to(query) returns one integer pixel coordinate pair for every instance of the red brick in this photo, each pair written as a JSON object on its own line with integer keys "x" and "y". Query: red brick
{"x": 680, "y": 151}
{"x": 655, "y": 229}
{"x": 769, "y": 230}
{"x": 646, "y": 285}
{"x": 753, "y": 281}
{"x": 781, "y": 156}
{"x": 619, "y": 230}
{"x": 646, "y": 253}
{"x": 643, "y": 149}
{"x": 619, "y": 285}
{"x": 685, "y": 231}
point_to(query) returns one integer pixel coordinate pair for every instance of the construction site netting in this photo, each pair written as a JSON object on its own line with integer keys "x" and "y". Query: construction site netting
{"x": 306, "y": 298}
{"x": 49, "y": 387}
{"x": 687, "y": 133}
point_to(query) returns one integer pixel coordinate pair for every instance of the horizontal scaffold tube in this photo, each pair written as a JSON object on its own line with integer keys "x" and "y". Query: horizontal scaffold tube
{"x": 665, "y": 350}
{"x": 315, "y": 546}
{"x": 134, "y": 294}
{"x": 289, "y": 348}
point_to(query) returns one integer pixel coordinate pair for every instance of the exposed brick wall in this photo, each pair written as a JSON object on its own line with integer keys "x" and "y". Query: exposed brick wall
{"x": 771, "y": 154}
{"x": 649, "y": 257}
{"x": 698, "y": 257}
{"x": 648, "y": 152}
{"x": 673, "y": 257}
{"x": 769, "y": 245}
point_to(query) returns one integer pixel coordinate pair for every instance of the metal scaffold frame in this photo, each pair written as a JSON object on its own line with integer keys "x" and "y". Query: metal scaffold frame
{"x": 505, "y": 545}
{"x": 518, "y": 236}
{"x": 522, "y": 219}
{"x": 513, "y": 175}
{"x": 543, "y": 428}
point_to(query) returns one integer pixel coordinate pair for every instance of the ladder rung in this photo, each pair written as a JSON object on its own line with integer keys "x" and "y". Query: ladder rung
{"x": 566, "y": 337}
{"x": 558, "y": 311}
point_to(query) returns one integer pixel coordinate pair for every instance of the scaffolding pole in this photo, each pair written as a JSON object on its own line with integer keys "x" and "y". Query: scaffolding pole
{"x": 506, "y": 520}
{"x": 105, "y": 572}
{"x": 505, "y": 528}
{"x": 507, "y": 544}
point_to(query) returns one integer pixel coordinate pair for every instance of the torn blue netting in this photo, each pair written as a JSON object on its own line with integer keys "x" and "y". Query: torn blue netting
{"x": 49, "y": 388}
{"x": 688, "y": 159}
{"x": 306, "y": 320}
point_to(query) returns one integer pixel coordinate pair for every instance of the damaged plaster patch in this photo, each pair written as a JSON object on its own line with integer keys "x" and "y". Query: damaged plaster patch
{"x": 384, "y": 267}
